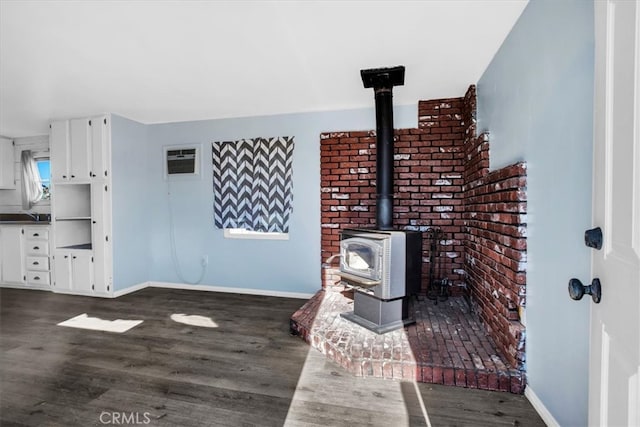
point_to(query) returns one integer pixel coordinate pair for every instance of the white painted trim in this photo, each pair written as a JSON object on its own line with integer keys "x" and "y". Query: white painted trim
{"x": 238, "y": 233}
{"x": 131, "y": 289}
{"x": 249, "y": 291}
{"x": 169, "y": 285}
{"x": 542, "y": 410}
{"x": 25, "y": 286}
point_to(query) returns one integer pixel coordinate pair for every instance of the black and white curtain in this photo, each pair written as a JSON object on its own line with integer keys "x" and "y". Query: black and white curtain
{"x": 252, "y": 184}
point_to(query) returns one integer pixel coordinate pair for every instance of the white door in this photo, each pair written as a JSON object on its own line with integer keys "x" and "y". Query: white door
{"x": 614, "y": 371}
{"x": 61, "y": 271}
{"x": 82, "y": 272}
{"x": 7, "y": 163}
{"x": 98, "y": 195}
{"x": 79, "y": 147}
{"x": 98, "y": 147}
{"x": 11, "y": 249}
{"x": 59, "y": 150}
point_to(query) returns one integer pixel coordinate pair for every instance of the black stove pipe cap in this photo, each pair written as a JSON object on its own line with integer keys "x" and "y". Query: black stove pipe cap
{"x": 383, "y": 77}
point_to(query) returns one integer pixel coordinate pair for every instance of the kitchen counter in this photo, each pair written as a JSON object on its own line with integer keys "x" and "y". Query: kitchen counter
{"x": 24, "y": 219}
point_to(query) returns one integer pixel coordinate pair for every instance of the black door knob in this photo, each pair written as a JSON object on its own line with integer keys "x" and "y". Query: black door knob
{"x": 593, "y": 238}
{"x": 577, "y": 290}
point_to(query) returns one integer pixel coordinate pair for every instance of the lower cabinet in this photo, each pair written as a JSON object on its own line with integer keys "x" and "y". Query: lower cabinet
{"x": 36, "y": 255}
{"x": 12, "y": 262}
{"x": 24, "y": 256}
{"x": 73, "y": 271}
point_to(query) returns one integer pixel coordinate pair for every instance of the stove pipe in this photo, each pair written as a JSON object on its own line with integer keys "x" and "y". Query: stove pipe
{"x": 382, "y": 80}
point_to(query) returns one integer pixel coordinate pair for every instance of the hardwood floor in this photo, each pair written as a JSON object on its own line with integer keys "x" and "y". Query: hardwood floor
{"x": 247, "y": 371}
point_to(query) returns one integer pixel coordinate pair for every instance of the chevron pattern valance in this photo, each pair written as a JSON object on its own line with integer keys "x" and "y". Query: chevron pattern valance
{"x": 252, "y": 183}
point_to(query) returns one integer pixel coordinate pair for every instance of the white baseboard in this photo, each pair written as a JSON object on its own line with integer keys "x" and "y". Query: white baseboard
{"x": 225, "y": 289}
{"x": 169, "y": 285}
{"x": 134, "y": 288}
{"x": 542, "y": 410}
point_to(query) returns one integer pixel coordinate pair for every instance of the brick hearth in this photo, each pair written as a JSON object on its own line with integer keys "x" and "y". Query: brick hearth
{"x": 447, "y": 344}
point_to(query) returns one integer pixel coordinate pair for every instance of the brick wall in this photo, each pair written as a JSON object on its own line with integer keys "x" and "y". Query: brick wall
{"x": 442, "y": 179}
{"x": 495, "y": 240}
{"x": 428, "y": 185}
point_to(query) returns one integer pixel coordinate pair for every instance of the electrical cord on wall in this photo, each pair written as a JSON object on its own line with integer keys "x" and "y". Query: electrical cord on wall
{"x": 172, "y": 238}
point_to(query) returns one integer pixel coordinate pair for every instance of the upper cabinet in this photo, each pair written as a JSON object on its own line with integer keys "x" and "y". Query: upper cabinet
{"x": 7, "y": 164}
{"x": 79, "y": 149}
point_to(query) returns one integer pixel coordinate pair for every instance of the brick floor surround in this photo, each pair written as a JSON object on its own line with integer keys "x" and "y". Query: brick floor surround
{"x": 447, "y": 344}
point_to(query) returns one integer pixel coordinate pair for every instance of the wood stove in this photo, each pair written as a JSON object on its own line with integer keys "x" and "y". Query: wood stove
{"x": 382, "y": 265}
{"x": 383, "y": 268}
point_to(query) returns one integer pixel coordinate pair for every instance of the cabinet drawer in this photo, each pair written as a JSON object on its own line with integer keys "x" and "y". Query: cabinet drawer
{"x": 39, "y": 263}
{"x": 38, "y": 278}
{"x": 36, "y": 233}
{"x": 36, "y": 247}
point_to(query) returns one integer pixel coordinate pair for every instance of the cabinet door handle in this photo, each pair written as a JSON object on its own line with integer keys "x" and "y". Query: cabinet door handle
{"x": 64, "y": 176}
{"x": 36, "y": 234}
{"x": 36, "y": 263}
{"x": 36, "y": 248}
{"x": 36, "y": 278}
{"x": 74, "y": 257}
{"x": 73, "y": 176}
{"x": 66, "y": 256}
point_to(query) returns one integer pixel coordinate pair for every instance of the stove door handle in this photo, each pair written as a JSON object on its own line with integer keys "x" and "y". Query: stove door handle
{"x": 359, "y": 280}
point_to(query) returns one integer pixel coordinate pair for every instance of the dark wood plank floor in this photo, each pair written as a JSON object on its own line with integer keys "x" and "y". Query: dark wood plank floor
{"x": 246, "y": 372}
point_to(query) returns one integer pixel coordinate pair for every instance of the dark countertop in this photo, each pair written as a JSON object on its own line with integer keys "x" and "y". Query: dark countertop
{"x": 24, "y": 219}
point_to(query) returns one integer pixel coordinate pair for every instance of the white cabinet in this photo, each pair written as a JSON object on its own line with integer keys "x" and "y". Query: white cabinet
{"x": 70, "y": 150}
{"x": 7, "y": 165}
{"x": 81, "y": 206}
{"x": 36, "y": 255}
{"x": 59, "y": 150}
{"x": 100, "y": 219}
{"x": 11, "y": 255}
{"x": 24, "y": 256}
{"x": 79, "y": 149}
{"x": 100, "y": 147}
{"x": 73, "y": 271}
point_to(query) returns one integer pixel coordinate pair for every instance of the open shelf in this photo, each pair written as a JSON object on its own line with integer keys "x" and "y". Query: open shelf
{"x": 83, "y": 246}
{"x": 73, "y": 218}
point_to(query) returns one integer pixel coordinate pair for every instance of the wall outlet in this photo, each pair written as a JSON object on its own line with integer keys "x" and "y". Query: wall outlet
{"x": 205, "y": 260}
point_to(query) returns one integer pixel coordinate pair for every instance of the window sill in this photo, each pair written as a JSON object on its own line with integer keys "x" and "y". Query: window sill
{"x": 239, "y": 233}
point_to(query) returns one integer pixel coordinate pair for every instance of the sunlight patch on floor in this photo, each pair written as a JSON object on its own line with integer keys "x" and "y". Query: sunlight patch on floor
{"x": 194, "y": 320}
{"x": 371, "y": 401}
{"x": 83, "y": 321}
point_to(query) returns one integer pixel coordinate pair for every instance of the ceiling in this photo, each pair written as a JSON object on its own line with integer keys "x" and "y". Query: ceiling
{"x": 167, "y": 61}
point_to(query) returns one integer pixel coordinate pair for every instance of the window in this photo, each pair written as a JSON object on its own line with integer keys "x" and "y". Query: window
{"x": 252, "y": 187}
{"x": 44, "y": 168}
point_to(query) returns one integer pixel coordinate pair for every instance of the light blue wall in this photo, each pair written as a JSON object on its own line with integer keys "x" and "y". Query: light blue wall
{"x": 130, "y": 201}
{"x": 284, "y": 266}
{"x": 535, "y": 99}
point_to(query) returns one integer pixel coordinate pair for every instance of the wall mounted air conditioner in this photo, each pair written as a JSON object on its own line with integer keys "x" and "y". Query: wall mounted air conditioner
{"x": 182, "y": 161}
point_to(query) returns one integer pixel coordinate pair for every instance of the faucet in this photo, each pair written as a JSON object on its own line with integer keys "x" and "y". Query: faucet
{"x": 34, "y": 216}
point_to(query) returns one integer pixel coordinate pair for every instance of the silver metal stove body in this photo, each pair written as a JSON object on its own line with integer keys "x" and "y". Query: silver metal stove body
{"x": 384, "y": 269}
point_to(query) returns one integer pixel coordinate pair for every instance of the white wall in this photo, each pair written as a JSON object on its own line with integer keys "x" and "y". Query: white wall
{"x": 11, "y": 200}
{"x": 535, "y": 99}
